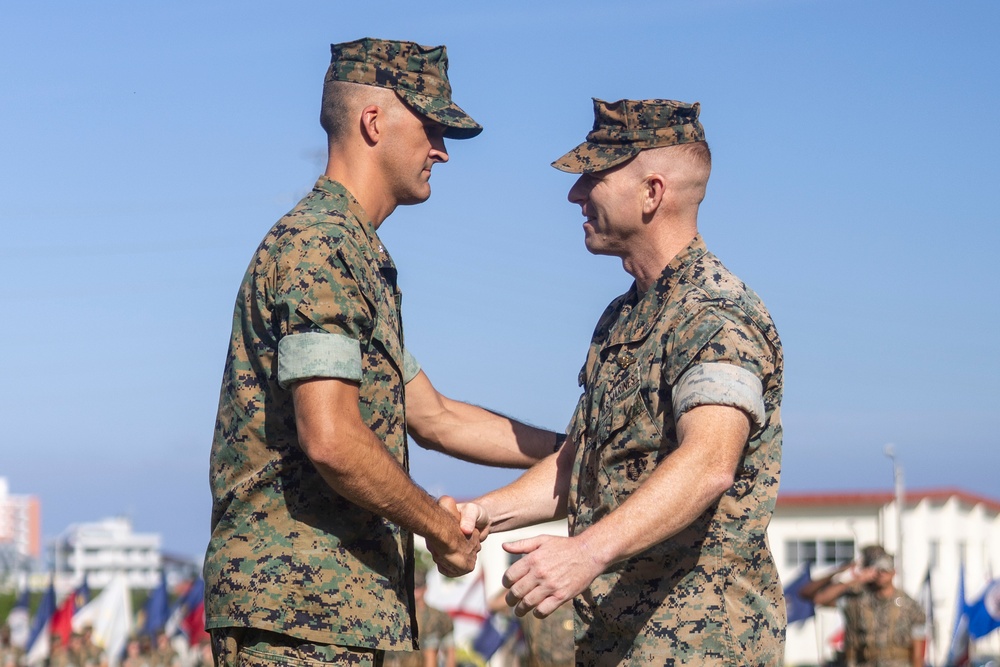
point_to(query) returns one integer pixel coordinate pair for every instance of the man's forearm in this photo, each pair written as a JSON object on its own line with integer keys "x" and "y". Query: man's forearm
{"x": 356, "y": 464}
{"x": 366, "y": 474}
{"x": 681, "y": 488}
{"x": 472, "y": 433}
{"x": 536, "y": 496}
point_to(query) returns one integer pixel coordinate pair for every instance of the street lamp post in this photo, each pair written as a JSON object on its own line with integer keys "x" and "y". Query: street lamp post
{"x": 897, "y": 479}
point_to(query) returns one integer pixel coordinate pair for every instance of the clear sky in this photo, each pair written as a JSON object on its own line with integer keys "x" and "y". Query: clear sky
{"x": 145, "y": 149}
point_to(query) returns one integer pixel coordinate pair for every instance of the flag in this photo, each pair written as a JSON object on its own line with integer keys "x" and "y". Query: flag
{"x": 110, "y": 617}
{"x": 984, "y": 614}
{"x": 187, "y": 619}
{"x": 496, "y": 630}
{"x": 17, "y": 621}
{"x": 37, "y": 648}
{"x": 157, "y": 609}
{"x": 62, "y": 619}
{"x": 82, "y": 593}
{"x": 927, "y": 601}
{"x": 958, "y": 649}
{"x": 797, "y": 607}
{"x": 194, "y": 622}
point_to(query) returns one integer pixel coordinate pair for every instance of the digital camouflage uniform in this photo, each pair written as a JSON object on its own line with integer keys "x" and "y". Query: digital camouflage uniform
{"x": 291, "y": 564}
{"x": 549, "y": 640}
{"x": 288, "y": 554}
{"x": 710, "y": 594}
{"x": 878, "y": 631}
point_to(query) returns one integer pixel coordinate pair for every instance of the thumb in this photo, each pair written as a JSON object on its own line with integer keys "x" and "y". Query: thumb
{"x": 449, "y": 505}
{"x": 473, "y": 517}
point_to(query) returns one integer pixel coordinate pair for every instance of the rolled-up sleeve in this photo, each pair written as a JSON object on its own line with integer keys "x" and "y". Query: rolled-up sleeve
{"x": 410, "y": 366}
{"x": 322, "y": 315}
{"x": 720, "y": 384}
{"x": 318, "y": 355}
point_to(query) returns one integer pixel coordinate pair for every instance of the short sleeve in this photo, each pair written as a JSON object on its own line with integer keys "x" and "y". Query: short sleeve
{"x": 410, "y": 366}
{"x": 322, "y": 315}
{"x": 720, "y": 358}
{"x": 720, "y": 384}
{"x": 318, "y": 355}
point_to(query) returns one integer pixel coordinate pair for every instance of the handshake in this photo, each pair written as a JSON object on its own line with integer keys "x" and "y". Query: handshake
{"x": 455, "y": 550}
{"x": 552, "y": 569}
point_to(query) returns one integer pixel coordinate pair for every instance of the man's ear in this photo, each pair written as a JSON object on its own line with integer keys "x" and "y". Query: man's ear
{"x": 371, "y": 123}
{"x": 652, "y": 193}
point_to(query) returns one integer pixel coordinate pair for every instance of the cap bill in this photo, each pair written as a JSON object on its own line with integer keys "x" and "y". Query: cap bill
{"x": 589, "y": 157}
{"x": 458, "y": 124}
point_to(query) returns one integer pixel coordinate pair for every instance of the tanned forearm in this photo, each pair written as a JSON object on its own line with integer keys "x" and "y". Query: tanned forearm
{"x": 471, "y": 433}
{"x": 536, "y": 496}
{"x": 356, "y": 464}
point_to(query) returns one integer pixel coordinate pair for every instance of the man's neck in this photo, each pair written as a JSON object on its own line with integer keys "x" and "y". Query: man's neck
{"x": 364, "y": 181}
{"x": 652, "y": 256}
{"x": 886, "y": 591}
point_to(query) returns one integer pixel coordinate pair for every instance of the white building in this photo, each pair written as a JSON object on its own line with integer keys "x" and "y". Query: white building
{"x": 98, "y": 550}
{"x": 941, "y": 530}
{"x": 20, "y": 524}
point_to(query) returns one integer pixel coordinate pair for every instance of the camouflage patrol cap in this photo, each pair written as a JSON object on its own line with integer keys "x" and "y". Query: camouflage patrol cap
{"x": 877, "y": 557}
{"x": 624, "y": 128}
{"x": 418, "y": 74}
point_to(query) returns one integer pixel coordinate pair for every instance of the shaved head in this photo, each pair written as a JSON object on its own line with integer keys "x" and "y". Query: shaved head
{"x": 343, "y": 102}
{"x": 686, "y": 166}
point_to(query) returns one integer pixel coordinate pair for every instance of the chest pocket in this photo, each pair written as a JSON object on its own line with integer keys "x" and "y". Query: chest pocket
{"x": 620, "y": 405}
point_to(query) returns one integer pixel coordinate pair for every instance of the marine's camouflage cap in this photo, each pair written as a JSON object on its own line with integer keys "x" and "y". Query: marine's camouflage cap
{"x": 624, "y": 128}
{"x": 418, "y": 74}
{"x": 877, "y": 557}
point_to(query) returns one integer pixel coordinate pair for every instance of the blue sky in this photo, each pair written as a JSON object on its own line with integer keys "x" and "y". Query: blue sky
{"x": 145, "y": 148}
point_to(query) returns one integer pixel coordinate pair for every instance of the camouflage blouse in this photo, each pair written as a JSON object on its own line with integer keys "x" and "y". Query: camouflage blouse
{"x": 287, "y": 554}
{"x": 710, "y": 594}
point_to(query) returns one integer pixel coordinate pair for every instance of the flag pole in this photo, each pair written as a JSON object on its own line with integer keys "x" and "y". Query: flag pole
{"x": 897, "y": 480}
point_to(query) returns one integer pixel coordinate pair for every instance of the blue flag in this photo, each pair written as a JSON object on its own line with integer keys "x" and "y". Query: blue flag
{"x": 46, "y": 608}
{"x": 984, "y": 614}
{"x": 82, "y": 593}
{"x": 157, "y": 609}
{"x": 958, "y": 649}
{"x": 491, "y": 637}
{"x": 797, "y": 608}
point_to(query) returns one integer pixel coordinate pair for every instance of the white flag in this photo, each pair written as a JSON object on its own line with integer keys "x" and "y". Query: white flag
{"x": 110, "y": 617}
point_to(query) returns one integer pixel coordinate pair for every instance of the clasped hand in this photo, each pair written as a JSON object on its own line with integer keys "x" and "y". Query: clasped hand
{"x": 456, "y": 554}
{"x": 551, "y": 571}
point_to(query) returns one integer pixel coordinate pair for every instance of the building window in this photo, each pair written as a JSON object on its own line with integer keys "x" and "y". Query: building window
{"x": 821, "y": 553}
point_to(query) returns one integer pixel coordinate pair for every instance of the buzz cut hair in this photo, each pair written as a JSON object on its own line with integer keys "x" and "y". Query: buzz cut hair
{"x": 697, "y": 151}
{"x": 342, "y": 100}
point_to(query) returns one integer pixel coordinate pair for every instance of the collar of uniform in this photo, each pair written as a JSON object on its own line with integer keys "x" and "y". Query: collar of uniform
{"x": 341, "y": 194}
{"x": 636, "y": 324}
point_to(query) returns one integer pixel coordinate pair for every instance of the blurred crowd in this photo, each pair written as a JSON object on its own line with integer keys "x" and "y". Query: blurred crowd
{"x": 82, "y": 651}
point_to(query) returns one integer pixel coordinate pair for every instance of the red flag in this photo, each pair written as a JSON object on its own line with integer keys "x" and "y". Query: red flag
{"x": 62, "y": 620}
{"x": 194, "y": 624}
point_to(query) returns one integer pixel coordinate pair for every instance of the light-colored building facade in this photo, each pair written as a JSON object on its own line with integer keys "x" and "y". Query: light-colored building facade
{"x": 20, "y": 524}
{"x": 942, "y": 529}
{"x": 98, "y": 550}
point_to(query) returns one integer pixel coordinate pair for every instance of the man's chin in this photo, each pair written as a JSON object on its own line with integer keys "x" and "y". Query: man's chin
{"x": 594, "y": 247}
{"x": 416, "y": 199}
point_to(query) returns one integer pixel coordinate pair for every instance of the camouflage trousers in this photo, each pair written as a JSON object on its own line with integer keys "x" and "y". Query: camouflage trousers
{"x": 249, "y": 647}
